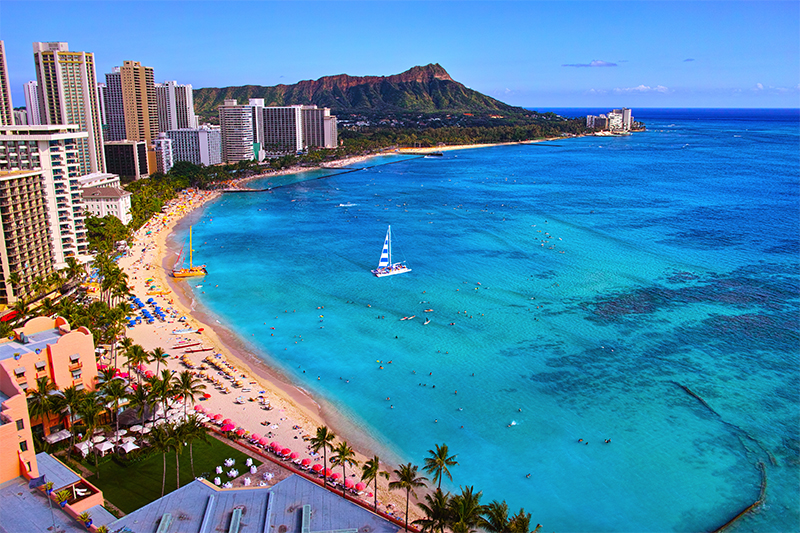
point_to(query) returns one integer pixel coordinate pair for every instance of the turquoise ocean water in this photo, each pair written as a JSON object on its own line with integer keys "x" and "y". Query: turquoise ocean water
{"x": 642, "y": 289}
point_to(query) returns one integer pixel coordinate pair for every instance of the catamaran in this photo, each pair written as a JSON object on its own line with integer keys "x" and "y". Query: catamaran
{"x": 192, "y": 271}
{"x": 385, "y": 265}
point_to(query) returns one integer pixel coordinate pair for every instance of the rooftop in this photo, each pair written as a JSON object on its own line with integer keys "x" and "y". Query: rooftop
{"x": 36, "y": 341}
{"x": 27, "y": 509}
{"x": 55, "y": 471}
{"x": 104, "y": 192}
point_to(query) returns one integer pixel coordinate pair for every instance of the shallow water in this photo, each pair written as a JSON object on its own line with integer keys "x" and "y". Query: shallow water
{"x": 581, "y": 289}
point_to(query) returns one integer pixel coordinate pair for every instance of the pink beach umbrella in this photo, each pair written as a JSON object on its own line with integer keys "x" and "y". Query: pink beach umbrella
{"x": 149, "y": 374}
{"x": 306, "y": 462}
{"x": 227, "y": 421}
{"x": 317, "y": 468}
{"x": 263, "y": 442}
{"x": 228, "y": 427}
{"x": 217, "y": 416}
{"x": 348, "y": 483}
{"x": 255, "y": 437}
{"x": 274, "y": 445}
{"x": 360, "y": 486}
{"x": 335, "y": 476}
{"x": 198, "y": 408}
{"x": 286, "y": 451}
{"x": 294, "y": 456}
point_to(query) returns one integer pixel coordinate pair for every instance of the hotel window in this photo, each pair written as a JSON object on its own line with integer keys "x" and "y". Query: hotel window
{"x": 23, "y": 446}
{"x": 20, "y": 424}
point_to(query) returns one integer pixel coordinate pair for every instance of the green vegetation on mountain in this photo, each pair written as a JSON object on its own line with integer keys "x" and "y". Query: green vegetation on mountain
{"x": 427, "y": 89}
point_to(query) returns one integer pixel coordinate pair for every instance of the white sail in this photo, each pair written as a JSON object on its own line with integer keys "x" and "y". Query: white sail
{"x": 386, "y": 253}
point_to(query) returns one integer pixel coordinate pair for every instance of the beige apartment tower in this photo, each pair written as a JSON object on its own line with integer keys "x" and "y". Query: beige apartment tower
{"x": 6, "y": 109}
{"x": 139, "y": 102}
{"x": 67, "y": 88}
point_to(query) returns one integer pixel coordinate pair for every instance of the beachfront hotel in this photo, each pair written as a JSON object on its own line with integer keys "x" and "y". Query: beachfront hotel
{"x": 201, "y": 146}
{"x": 291, "y": 129}
{"x": 175, "y": 106}
{"x": 128, "y": 159}
{"x": 25, "y": 238}
{"x": 6, "y": 108}
{"x": 164, "y": 155}
{"x": 67, "y": 92}
{"x": 54, "y": 151}
{"x": 236, "y": 125}
{"x": 105, "y": 201}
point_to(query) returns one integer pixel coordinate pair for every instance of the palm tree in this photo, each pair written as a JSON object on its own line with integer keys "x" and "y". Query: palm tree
{"x": 408, "y": 481}
{"x": 161, "y": 389}
{"x": 521, "y": 523}
{"x": 343, "y": 455}
{"x": 136, "y": 356}
{"x": 438, "y": 464}
{"x": 437, "y": 512}
{"x": 161, "y": 441}
{"x": 189, "y": 386}
{"x": 141, "y": 401}
{"x": 159, "y": 356}
{"x": 324, "y": 440}
{"x": 178, "y": 436}
{"x": 47, "y": 307}
{"x": 466, "y": 509}
{"x": 41, "y": 401}
{"x": 91, "y": 410}
{"x": 125, "y": 344}
{"x": 371, "y": 471}
{"x": 495, "y": 517}
{"x": 194, "y": 429}
{"x": 68, "y": 402}
{"x": 114, "y": 391}
{"x": 22, "y": 309}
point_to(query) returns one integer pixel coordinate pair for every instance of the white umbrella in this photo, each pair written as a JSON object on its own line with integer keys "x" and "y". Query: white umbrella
{"x": 145, "y": 431}
{"x": 120, "y": 433}
{"x": 99, "y": 438}
{"x": 128, "y": 447}
{"x": 137, "y": 428}
{"x": 128, "y": 439}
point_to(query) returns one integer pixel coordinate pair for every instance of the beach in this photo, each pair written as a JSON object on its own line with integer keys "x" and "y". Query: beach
{"x": 294, "y": 415}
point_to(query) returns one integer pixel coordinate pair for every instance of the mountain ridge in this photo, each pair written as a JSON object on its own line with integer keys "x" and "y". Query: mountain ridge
{"x": 422, "y": 89}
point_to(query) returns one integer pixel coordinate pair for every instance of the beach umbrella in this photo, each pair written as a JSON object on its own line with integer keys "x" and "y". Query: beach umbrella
{"x": 328, "y": 472}
{"x": 217, "y": 417}
{"x": 136, "y": 429}
{"x": 305, "y": 462}
{"x": 198, "y": 408}
{"x": 286, "y": 451}
{"x": 239, "y": 432}
{"x": 294, "y": 455}
{"x": 227, "y": 421}
{"x": 263, "y": 442}
{"x": 360, "y": 486}
{"x": 255, "y": 437}
{"x": 149, "y": 374}
{"x": 348, "y": 483}
{"x": 317, "y": 468}
{"x": 99, "y": 438}
{"x": 335, "y": 476}
{"x": 228, "y": 427}
{"x": 274, "y": 445}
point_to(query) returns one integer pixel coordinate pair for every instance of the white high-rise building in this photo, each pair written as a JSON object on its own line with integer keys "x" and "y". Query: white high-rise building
{"x": 236, "y": 123}
{"x": 101, "y": 98}
{"x": 164, "y": 154}
{"x": 201, "y": 146}
{"x": 295, "y": 128}
{"x": 175, "y": 106}
{"x": 32, "y": 103}
{"x": 67, "y": 89}
{"x": 54, "y": 150}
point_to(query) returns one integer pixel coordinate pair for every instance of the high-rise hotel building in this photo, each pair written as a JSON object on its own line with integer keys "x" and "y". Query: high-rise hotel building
{"x": 6, "y": 108}
{"x": 175, "y": 106}
{"x": 201, "y": 146}
{"x": 30, "y": 90}
{"x": 236, "y": 124}
{"x": 67, "y": 90}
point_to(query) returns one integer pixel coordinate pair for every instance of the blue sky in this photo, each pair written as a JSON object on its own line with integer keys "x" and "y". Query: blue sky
{"x": 529, "y": 53}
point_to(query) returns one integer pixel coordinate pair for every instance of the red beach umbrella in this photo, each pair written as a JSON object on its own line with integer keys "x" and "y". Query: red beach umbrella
{"x": 149, "y": 374}
{"x": 274, "y": 445}
{"x": 294, "y": 456}
{"x": 348, "y": 483}
{"x": 206, "y": 396}
{"x": 335, "y": 476}
{"x": 306, "y": 462}
{"x": 228, "y": 427}
{"x": 198, "y": 408}
{"x": 217, "y": 416}
{"x": 227, "y": 421}
{"x": 263, "y": 442}
{"x": 360, "y": 486}
{"x": 328, "y": 472}
{"x": 317, "y": 468}
{"x": 286, "y": 451}
{"x": 240, "y": 432}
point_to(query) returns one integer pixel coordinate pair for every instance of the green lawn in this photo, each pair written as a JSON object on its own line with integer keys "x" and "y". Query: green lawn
{"x": 132, "y": 486}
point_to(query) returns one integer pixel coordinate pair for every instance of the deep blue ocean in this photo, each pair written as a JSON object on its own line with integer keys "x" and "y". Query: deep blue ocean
{"x": 640, "y": 289}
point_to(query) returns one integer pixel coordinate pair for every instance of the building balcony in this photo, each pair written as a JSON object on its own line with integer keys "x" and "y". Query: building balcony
{"x": 75, "y": 366}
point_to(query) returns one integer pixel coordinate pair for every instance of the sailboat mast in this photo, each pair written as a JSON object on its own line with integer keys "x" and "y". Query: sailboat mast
{"x": 389, "y": 238}
{"x": 190, "y": 248}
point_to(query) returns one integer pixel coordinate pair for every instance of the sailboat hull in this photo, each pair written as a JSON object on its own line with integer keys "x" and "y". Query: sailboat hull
{"x": 189, "y": 272}
{"x": 392, "y": 270}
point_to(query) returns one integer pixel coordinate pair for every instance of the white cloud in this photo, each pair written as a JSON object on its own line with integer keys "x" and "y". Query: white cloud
{"x": 758, "y": 87}
{"x": 642, "y": 89}
{"x": 593, "y": 63}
